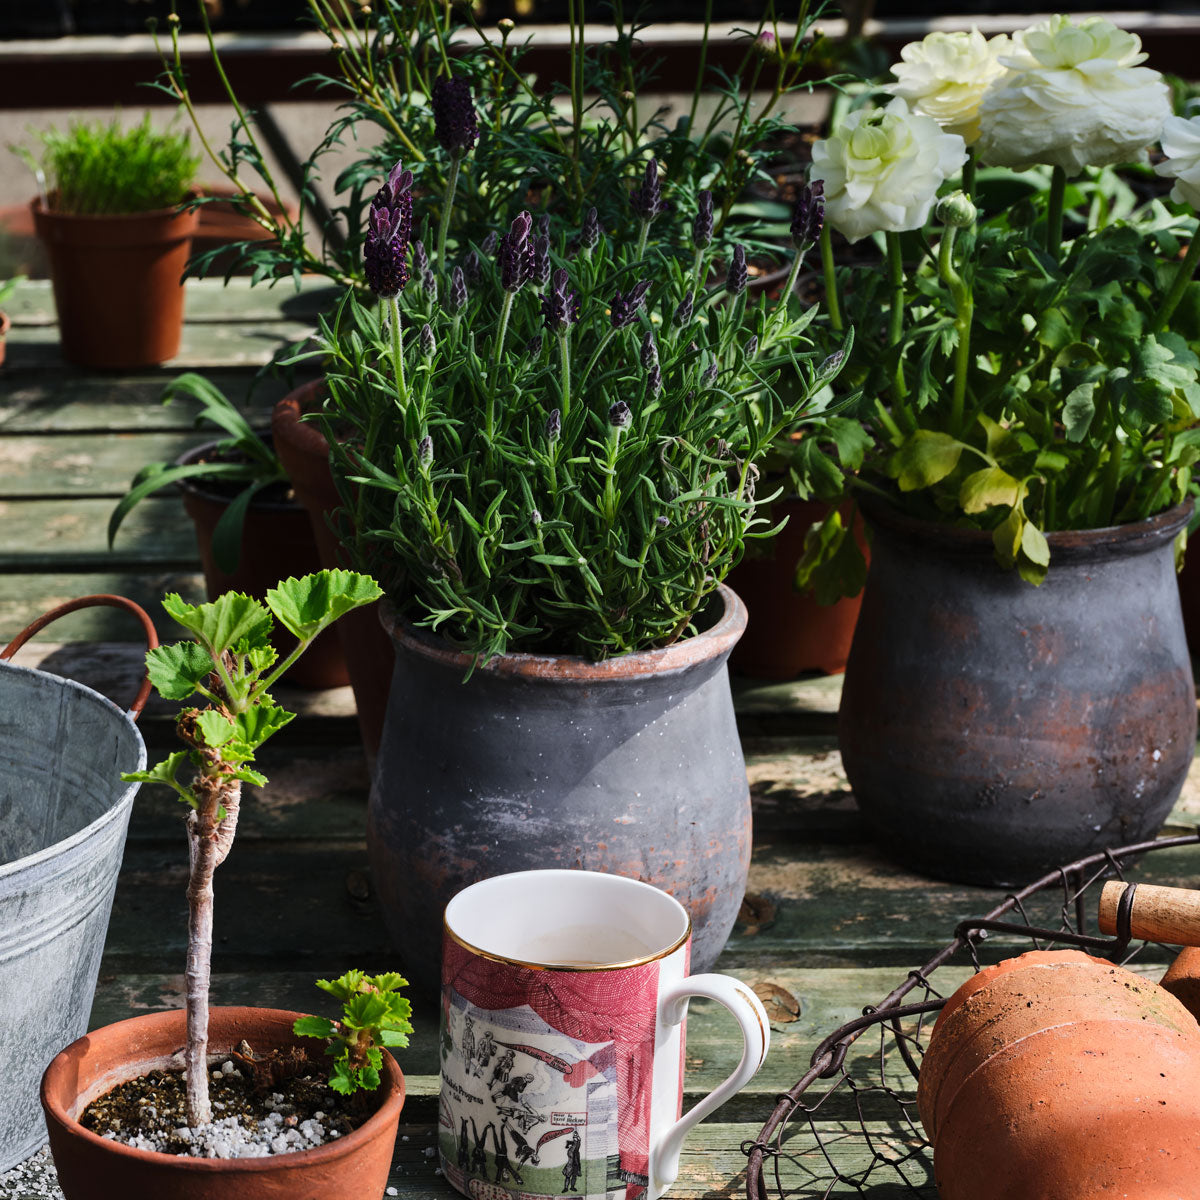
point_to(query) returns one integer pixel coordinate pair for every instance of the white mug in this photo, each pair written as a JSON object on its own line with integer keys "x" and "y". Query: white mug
{"x": 564, "y": 995}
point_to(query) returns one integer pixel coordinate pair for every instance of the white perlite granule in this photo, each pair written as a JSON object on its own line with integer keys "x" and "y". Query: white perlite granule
{"x": 229, "y": 1138}
{"x": 34, "y": 1179}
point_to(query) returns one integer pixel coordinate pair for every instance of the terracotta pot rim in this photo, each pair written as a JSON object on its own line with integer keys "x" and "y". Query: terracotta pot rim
{"x": 393, "y": 1102}
{"x": 5, "y": 324}
{"x": 1134, "y": 537}
{"x": 198, "y": 489}
{"x": 42, "y": 213}
{"x": 709, "y": 644}
{"x": 305, "y": 436}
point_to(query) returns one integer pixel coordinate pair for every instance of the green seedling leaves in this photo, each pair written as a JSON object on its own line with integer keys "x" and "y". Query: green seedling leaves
{"x": 988, "y": 487}
{"x": 177, "y": 671}
{"x": 306, "y": 606}
{"x": 233, "y": 621}
{"x": 318, "y": 1027}
{"x": 924, "y": 458}
{"x": 164, "y": 773}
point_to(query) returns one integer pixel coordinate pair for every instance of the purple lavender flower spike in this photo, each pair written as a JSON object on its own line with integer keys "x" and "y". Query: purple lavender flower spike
{"x": 420, "y": 260}
{"x": 709, "y": 375}
{"x": 471, "y": 266}
{"x": 457, "y": 299}
{"x": 428, "y": 344}
{"x": 389, "y": 226}
{"x": 808, "y": 215}
{"x": 735, "y": 281}
{"x": 620, "y": 415}
{"x": 454, "y": 120}
{"x": 553, "y": 425}
{"x": 654, "y": 380}
{"x": 683, "y": 314}
{"x": 489, "y": 244}
{"x": 646, "y": 200}
{"x": 544, "y": 225}
{"x": 560, "y": 308}
{"x": 590, "y": 232}
{"x": 533, "y": 347}
{"x": 541, "y": 260}
{"x": 649, "y": 352}
{"x": 752, "y": 346}
{"x": 429, "y": 285}
{"x": 515, "y": 254}
{"x": 702, "y": 226}
{"x": 425, "y": 451}
{"x": 624, "y": 309}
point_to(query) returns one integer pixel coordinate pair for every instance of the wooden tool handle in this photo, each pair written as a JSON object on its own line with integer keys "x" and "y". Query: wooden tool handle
{"x": 1159, "y": 914}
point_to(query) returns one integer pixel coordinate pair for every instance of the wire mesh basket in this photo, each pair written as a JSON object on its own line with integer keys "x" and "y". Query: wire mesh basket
{"x": 850, "y": 1127}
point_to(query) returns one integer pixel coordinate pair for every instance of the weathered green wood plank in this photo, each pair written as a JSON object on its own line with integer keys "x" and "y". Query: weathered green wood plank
{"x": 46, "y": 535}
{"x": 206, "y": 301}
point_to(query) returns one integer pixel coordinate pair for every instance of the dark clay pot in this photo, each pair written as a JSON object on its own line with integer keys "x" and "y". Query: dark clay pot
{"x": 631, "y": 765}
{"x": 1057, "y": 1076}
{"x": 789, "y": 633}
{"x": 354, "y": 1167}
{"x": 277, "y": 542}
{"x": 367, "y": 650}
{"x": 990, "y": 729}
{"x": 118, "y": 283}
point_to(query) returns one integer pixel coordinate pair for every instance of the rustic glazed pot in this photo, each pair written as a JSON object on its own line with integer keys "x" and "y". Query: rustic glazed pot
{"x": 118, "y": 283}
{"x": 990, "y": 729}
{"x": 1058, "y": 1076}
{"x": 277, "y": 542}
{"x": 90, "y": 1167}
{"x": 367, "y": 651}
{"x": 631, "y": 765}
{"x": 788, "y": 632}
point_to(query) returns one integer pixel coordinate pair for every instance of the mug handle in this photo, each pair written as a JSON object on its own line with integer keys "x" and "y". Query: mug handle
{"x": 750, "y": 1015}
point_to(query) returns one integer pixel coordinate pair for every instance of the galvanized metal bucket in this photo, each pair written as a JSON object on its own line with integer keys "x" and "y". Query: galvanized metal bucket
{"x": 63, "y": 816}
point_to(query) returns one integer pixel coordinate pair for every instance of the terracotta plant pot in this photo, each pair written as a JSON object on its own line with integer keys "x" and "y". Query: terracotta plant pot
{"x": 367, "y": 649}
{"x": 354, "y": 1167}
{"x": 277, "y": 541}
{"x": 221, "y": 224}
{"x": 990, "y": 729}
{"x": 631, "y": 765}
{"x": 1058, "y": 1076}
{"x": 789, "y": 633}
{"x": 117, "y": 283}
{"x": 5, "y": 326}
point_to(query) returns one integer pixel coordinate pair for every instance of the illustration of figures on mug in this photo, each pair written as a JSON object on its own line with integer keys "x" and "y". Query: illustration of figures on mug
{"x": 563, "y": 999}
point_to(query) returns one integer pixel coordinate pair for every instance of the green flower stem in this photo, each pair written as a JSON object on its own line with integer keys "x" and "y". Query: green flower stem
{"x": 964, "y": 311}
{"x": 608, "y": 335}
{"x": 643, "y": 237}
{"x": 896, "y": 309}
{"x": 700, "y": 69}
{"x": 447, "y": 206}
{"x": 490, "y": 411}
{"x": 1054, "y": 211}
{"x": 1183, "y": 276}
{"x": 398, "y": 352}
{"x": 1111, "y": 481}
{"x": 781, "y": 304}
{"x": 564, "y": 350}
{"x": 968, "y": 174}
{"x": 831, "y": 289}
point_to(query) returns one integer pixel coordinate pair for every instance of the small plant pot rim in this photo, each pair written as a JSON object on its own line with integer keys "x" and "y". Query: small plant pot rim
{"x": 115, "y": 229}
{"x": 1066, "y": 545}
{"x": 5, "y": 324}
{"x": 142, "y": 1033}
{"x": 196, "y": 485}
{"x": 288, "y": 424}
{"x": 715, "y": 641}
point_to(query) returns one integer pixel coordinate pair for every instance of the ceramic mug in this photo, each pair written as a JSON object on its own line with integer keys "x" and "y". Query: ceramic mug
{"x": 564, "y": 995}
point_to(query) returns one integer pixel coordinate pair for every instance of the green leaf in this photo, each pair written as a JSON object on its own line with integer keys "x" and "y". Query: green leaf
{"x": 306, "y": 606}
{"x": 317, "y": 1027}
{"x": 1006, "y": 538}
{"x": 925, "y": 458}
{"x": 176, "y": 670}
{"x": 233, "y": 619}
{"x": 987, "y": 488}
{"x": 163, "y": 772}
{"x": 1034, "y": 545}
{"x": 1078, "y": 411}
{"x": 341, "y": 1079}
{"x": 246, "y": 775}
{"x": 257, "y": 724}
{"x": 215, "y": 727}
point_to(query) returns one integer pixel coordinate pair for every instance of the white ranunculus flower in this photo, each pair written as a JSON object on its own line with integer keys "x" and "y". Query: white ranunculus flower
{"x": 945, "y": 75}
{"x": 1181, "y": 145}
{"x": 1074, "y": 96}
{"x": 882, "y": 169}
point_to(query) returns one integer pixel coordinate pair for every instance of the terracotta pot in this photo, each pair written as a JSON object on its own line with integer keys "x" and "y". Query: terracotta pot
{"x": 117, "y": 283}
{"x": 355, "y": 1167}
{"x": 789, "y": 633}
{"x": 5, "y": 326}
{"x": 1182, "y": 979}
{"x": 367, "y": 650}
{"x": 990, "y": 729}
{"x": 1057, "y": 1076}
{"x": 277, "y": 541}
{"x": 221, "y": 224}
{"x": 631, "y": 765}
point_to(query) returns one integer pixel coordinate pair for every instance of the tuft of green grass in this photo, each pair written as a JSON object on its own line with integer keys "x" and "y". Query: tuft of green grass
{"x": 102, "y": 168}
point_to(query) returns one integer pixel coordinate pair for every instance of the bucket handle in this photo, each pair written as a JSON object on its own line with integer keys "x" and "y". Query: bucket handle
{"x": 71, "y": 606}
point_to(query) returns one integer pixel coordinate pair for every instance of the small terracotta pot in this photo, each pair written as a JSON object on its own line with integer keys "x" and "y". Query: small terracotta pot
{"x": 355, "y": 1167}
{"x": 117, "y": 283}
{"x": 1058, "y": 1076}
{"x": 5, "y": 326}
{"x": 277, "y": 541}
{"x": 1182, "y": 979}
{"x": 367, "y": 648}
{"x": 221, "y": 224}
{"x": 789, "y": 632}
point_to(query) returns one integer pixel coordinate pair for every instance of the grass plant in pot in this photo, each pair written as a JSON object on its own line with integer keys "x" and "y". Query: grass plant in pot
{"x": 552, "y": 473}
{"x": 99, "y": 1085}
{"x": 118, "y": 241}
{"x": 1019, "y": 691}
{"x": 249, "y": 529}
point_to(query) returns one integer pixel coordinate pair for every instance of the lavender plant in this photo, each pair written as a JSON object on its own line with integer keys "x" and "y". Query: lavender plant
{"x": 568, "y": 467}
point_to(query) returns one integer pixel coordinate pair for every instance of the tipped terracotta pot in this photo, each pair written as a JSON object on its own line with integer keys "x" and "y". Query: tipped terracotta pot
{"x": 1058, "y": 1076}
{"x": 90, "y": 1167}
{"x": 118, "y": 283}
{"x": 277, "y": 541}
{"x": 304, "y": 452}
{"x": 789, "y": 633}
{"x": 1182, "y": 979}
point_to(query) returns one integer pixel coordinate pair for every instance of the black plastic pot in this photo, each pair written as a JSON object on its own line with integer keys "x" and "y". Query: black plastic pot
{"x": 631, "y": 765}
{"x": 991, "y": 729}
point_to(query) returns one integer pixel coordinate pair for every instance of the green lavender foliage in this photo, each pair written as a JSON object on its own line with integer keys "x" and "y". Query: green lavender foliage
{"x": 374, "y": 1016}
{"x": 492, "y": 487}
{"x": 96, "y": 168}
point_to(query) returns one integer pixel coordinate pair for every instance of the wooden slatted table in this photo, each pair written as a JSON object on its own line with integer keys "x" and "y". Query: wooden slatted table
{"x": 830, "y": 924}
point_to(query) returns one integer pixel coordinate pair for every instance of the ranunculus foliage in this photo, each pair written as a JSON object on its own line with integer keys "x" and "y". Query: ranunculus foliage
{"x": 882, "y": 169}
{"x": 1181, "y": 145}
{"x": 1074, "y": 96}
{"x": 945, "y": 75}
